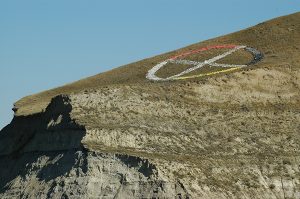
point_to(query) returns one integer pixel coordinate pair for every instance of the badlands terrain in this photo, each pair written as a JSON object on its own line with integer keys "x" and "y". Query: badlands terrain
{"x": 229, "y": 128}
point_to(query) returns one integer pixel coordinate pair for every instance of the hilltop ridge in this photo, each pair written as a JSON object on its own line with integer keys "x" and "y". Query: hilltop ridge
{"x": 278, "y": 38}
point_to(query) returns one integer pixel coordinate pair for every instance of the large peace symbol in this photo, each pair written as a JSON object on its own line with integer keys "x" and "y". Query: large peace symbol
{"x": 178, "y": 59}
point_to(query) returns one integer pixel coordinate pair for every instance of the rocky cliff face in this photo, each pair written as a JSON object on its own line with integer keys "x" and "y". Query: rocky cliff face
{"x": 227, "y": 136}
{"x": 48, "y": 160}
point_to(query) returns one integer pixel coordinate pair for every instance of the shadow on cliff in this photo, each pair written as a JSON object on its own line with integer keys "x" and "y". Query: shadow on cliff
{"x": 47, "y": 145}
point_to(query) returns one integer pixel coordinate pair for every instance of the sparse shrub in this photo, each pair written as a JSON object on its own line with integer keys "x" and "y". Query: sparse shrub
{"x": 286, "y": 162}
{"x": 272, "y": 186}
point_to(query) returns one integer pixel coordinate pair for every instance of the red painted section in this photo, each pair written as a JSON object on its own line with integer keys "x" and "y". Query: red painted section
{"x": 203, "y": 49}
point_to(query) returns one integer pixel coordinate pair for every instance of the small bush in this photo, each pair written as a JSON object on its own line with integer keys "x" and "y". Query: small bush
{"x": 272, "y": 186}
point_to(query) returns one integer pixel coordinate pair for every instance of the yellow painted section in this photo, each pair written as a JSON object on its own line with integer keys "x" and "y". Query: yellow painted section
{"x": 208, "y": 74}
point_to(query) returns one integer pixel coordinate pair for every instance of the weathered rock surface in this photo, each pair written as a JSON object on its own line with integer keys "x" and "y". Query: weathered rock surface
{"x": 228, "y": 136}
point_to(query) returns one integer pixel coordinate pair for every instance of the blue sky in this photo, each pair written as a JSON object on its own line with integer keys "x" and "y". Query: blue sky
{"x": 44, "y": 44}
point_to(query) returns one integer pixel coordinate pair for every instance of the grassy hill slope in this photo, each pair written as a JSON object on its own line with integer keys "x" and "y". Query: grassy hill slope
{"x": 278, "y": 39}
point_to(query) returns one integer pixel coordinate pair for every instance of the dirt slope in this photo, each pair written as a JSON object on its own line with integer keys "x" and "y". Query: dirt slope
{"x": 120, "y": 135}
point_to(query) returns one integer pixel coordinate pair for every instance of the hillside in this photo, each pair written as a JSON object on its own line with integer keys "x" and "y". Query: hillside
{"x": 217, "y": 119}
